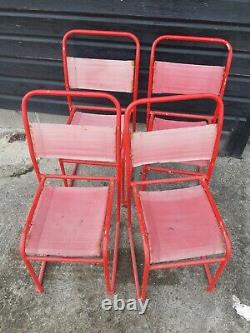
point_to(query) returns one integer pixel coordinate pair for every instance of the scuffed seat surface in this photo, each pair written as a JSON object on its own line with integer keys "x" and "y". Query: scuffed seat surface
{"x": 68, "y": 222}
{"x": 181, "y": 224}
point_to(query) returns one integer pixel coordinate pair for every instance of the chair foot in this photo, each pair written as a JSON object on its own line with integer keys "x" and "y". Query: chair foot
{"x": 40, "y": 290}
{"x": 210, "y": 288}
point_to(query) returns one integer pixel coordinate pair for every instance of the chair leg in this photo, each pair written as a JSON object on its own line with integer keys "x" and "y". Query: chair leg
{"x": 117, "y": 236}
{"x": 133, "y": 261}
{"x": 144, "y": 285}
{"x": 37, "y": 280}
{"x": 123, "y": 186}
{"x": 132, "y": 250}
{"x": 212, "y": 279}
{"x": 207, "y": 272}
{"x": 61, "y": 164}
{"x": 107, "y": 278}
{"x": 73, "y": 173}
{"x": 144, "y": 171}
{"x": 216, "y": 276}
{"x": 42, "y": 270}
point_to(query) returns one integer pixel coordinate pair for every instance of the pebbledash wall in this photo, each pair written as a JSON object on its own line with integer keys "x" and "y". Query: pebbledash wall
{"x": 31, "y": 32}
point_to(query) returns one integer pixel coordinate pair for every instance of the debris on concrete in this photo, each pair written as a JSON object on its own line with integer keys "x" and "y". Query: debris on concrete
{"x": 15, "y": 160}
{"x": 242, "y": 309}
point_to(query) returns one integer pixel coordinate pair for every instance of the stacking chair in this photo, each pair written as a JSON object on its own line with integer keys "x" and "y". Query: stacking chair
{"x": 181, "y": 226}
{"x": 71, "y": 224}
{"x": 167, "y": 77}
{"x": 115, "y": 75}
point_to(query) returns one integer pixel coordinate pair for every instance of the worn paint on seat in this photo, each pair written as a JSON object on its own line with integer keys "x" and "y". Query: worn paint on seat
{"x": 181, "y": 224}
{"x": 67, "y": 223}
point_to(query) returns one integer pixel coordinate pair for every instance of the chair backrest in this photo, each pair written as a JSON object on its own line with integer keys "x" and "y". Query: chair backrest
{"x": 102, "y": 74}
{"x": 72, "y": 142}
{"x": 187, "y": 78}
{"x": 174, "y": 145}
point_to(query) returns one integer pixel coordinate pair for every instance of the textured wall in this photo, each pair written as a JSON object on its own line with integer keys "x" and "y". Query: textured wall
{"x": 31, "y": 33}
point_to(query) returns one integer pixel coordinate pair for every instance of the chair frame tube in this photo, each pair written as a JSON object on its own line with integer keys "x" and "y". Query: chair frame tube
{"x": 110, "y": 285}
{"x": 132, "y": 187}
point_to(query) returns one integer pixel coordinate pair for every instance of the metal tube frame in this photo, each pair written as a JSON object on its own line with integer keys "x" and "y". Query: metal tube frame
{"x": 110, "y": 285}
{"x": 132, "y": 187}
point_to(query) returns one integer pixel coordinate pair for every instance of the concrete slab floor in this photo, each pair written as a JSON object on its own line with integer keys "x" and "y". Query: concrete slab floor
{"x": 179, "y": 301}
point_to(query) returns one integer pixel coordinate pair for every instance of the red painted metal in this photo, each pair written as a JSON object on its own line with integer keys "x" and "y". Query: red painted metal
{"x": 190, "y": 247}
{"x": 47, "y": 244}
{"x": 176, "y": 82}
{"x": 107, "y": 34}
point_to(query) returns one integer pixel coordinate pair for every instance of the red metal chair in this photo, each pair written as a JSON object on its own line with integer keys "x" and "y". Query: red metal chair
{"x": 184, "y": 78}
{"x": 179, "y": 227}
{"x": 64, "y": 224}
{"x": 100, "y": 74}
{"x": 103, "y": 75}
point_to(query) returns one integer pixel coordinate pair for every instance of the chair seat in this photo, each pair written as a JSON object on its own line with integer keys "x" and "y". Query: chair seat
{"x": 92, "y": 119}
{"x": 67, "y": 222}
{"x": 163, "y": 124}
{"x": 181, "y": 224}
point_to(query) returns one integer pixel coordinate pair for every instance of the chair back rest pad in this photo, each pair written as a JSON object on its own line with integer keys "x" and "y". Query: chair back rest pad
{"x": 90, "y": 143}
{"x": 173, "y": 145}
{"x": 101, "y": 74}
{"x": 161, "y": 124}
{"x": 179, "y": 78}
